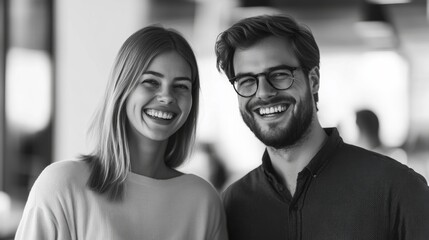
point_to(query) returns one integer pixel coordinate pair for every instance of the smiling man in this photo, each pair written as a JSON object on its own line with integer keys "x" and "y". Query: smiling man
{"x": 310, "y": 185}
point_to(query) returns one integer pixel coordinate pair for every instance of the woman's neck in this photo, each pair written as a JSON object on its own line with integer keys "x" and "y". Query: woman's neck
{"x": 148, "y": 158}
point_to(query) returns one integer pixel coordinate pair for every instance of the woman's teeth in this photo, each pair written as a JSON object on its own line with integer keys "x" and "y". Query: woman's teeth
{"x": 159, "y": 114}
{"x": 272, "y": 110}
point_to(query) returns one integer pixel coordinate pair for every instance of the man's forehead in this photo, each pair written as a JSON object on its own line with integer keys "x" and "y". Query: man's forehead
{"x": 264, "y": 54}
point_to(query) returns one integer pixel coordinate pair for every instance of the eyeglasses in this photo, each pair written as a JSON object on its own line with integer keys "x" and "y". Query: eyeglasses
{"x": 280, "y": 78}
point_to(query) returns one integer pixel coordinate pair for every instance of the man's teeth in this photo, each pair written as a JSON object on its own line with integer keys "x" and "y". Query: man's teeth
{"x": 271, "y": 110}
{"x": 159, "y": 114}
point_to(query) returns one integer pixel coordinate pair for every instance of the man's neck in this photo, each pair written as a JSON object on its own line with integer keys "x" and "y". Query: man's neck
{"x": 288, "y": 162}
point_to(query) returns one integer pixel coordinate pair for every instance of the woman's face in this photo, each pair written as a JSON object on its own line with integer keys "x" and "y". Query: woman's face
{"x": 162, "y": 99}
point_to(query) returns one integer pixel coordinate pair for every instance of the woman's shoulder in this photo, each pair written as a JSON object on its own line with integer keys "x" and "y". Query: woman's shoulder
{"x": 195, "y": 185}
{"x": 196, "y": 181}
{"x": 199, "y": 195}
{"x": 60, "y": 175}
{"x": 66, "y": 169}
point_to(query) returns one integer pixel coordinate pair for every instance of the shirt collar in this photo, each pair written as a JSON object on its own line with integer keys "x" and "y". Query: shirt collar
{"x": 268, "y": 167}
{"x": 316, "y": 164}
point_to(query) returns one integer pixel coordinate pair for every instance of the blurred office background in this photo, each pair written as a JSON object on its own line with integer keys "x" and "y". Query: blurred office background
{"x": 55, "y": 57}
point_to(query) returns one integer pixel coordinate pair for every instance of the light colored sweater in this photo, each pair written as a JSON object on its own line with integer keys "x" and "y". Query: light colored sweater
{"x": 61, "y": 206}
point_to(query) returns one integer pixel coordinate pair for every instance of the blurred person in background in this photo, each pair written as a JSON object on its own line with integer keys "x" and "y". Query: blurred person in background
{"x": 369, "y": 136}
{"x": 311, "y": 184}
{"x": 128, "y": 188}
{"x": 207, "y": 164}
{"x": 218, "y": 172}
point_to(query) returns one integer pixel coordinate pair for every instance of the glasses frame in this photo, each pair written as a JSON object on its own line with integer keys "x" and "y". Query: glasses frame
{"x": 266, "y": 75}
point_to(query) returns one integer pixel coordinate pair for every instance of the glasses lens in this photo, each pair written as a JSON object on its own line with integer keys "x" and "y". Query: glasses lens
{"x": 246, "y": 85}
{"x": 281, "y": 79}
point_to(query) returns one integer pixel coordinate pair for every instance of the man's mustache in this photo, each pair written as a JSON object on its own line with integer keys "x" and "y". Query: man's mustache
{"x": 257, "y": 103}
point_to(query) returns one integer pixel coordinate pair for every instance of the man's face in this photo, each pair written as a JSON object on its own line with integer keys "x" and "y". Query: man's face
{"x": 279, "y": 118}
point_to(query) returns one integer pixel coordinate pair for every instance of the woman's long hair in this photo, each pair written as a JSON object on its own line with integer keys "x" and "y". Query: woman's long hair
{"x": 110, "y": 159}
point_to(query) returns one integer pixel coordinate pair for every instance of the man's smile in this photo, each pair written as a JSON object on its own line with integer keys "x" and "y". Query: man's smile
{"x": 276, "y": 109}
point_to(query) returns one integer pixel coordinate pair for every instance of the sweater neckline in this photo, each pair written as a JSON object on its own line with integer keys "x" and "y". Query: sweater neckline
{"x": 137, "y": 178}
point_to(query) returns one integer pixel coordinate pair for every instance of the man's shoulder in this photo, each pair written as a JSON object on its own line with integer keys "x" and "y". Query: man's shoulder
{"x": 245, "y": 184}
{"x": 373, "y": 164}
{"x": 358, "y": 155}
{"x": 254, "y": 175}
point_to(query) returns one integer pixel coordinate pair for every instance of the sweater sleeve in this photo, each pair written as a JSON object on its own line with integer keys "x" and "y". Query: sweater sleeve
{"x": 36, "y": 224}
{"x": 411, "y": 208}
{"x": 210, "y": 220}
{"x": 43, "y": 216}
{"x": 220, "y": 232}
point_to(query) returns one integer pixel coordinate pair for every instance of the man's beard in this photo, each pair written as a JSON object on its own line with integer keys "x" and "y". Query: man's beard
{"x": 289, "y": 135}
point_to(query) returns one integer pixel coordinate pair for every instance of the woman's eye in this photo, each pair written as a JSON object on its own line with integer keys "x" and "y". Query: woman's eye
{"x": 183, "y": 86}
{"x": 150, "y": 83}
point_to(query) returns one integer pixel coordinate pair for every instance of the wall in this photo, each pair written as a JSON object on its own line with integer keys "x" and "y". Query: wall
{"x": 88, "y": 35}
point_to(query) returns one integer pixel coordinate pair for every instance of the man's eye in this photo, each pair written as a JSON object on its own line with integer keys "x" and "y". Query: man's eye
{"x": 245, "y": 81}
{"x": 280, "y": 75}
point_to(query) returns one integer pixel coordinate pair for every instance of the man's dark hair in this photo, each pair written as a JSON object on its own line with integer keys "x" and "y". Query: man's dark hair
{"x": 248, "y": 31}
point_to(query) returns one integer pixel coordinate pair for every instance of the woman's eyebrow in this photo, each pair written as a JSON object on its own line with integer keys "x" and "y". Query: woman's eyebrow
{"x": 154, "y": 73}
{"x": 162, "y": 75}
{"x": 183, "y": 79}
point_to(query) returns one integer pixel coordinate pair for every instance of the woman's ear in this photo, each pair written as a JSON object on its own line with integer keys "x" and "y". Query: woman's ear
{"x": 314, "y": 79}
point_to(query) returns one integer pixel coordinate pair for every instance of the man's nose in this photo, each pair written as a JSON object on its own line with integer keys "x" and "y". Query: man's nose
{"x": 265, "y": 90}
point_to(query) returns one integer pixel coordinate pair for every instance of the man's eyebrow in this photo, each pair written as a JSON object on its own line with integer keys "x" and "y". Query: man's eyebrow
{"x": 162, "y": 75}
{"x": 282, "y": 66}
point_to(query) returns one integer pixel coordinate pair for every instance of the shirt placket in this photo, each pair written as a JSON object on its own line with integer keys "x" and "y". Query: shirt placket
{"x": 296, "y": 205}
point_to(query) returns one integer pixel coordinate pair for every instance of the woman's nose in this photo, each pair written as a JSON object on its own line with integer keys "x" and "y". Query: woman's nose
{"x": 165, "y": 96}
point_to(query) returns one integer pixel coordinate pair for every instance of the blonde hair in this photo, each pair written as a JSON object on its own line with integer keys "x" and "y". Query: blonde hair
{"x": 110, "y": 160}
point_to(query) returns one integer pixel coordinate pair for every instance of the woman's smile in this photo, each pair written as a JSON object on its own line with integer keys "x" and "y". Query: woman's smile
{"x": 158, "y": 114}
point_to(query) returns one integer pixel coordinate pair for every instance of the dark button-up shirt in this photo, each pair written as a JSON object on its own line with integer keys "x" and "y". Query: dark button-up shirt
{"x": 345, "y": 192}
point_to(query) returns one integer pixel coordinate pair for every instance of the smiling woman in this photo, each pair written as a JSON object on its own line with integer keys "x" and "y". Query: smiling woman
{"x": 128, "y": 188}
{"x": 161, "y": 103}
